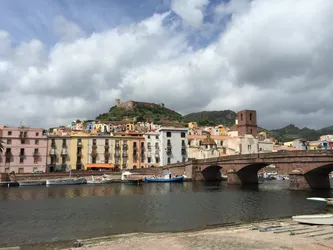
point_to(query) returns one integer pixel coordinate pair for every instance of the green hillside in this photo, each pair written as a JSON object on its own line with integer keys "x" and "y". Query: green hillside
{"x": 141, "y": 113}
{"x": 211, "y": 118}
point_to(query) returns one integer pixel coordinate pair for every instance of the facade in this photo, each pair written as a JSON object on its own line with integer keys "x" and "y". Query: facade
{"x": 247, "y": 122}
{"x": 152, "y": 148}
{"x": 129, "y": 150}
{"x": 100, "y": 152}
{"x": 301, "y": 144}
{"x": 78, "y": 151}
{"x": 199, "y": 148}
{"x": 173, "y": 145}
{"x": 24, "y": 151}
{"x": 58, "y": 158}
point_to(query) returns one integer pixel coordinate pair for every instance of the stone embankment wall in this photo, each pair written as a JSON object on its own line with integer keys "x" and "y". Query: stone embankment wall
{"x": 138, "y": 173}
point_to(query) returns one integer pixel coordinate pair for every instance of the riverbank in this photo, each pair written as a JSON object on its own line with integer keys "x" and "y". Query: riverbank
{"x": 281, "y": 234}
{"x": 269, "y": 234}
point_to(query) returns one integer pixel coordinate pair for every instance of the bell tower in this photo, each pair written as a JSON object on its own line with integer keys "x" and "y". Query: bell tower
{"x": 247, "y": 122}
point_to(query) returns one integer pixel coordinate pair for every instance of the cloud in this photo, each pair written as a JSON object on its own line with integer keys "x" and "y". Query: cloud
{"x": 191, "y": 11}
{"x": 272, "y": 56}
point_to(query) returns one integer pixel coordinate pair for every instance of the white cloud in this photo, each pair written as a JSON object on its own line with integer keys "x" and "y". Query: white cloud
{"x": 274, "y": 56}
{"x": 191, "y": 11}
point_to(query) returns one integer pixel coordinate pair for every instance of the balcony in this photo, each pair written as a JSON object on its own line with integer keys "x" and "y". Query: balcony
{"x": 107, "y": 154}
{"x": 117, "y": 155}
{"x": 53, "y": 151}
{"x": 64, "y": 151}
{"x": 22, "y": 155}
{"x": 53, "y": 145}
{"x": 106, "y": 146}
{"x": 135, "y": 152}
{"x": 157, "y": 147}
{"x": 149, "y": 148}
{"x": 94, "y": 153}
{"x": 169, "y": 146}
{"x": 94, "y": 146}
{"x": 35, "y": 154}
{"x": 125, "y": 155}
{"x": 124, "y": 165}
{"x": 183, "y": 152}
{"x": 79, "y": 153}
{"x": 79, "y": 144}
{"x": 8, "y": 154}
{"x": 125, "y": 146}
{"x": 183, "y": 146}
{"x": 169, "y": 152}
{"x": 117, "y": 146}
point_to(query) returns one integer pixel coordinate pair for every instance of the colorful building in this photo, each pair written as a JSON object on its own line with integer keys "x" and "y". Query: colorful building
{"x": 78, "y": 151}
{"x": 58, "y": 158}
{"x": 24, "y": 151}
{"x": 152, "y": 148}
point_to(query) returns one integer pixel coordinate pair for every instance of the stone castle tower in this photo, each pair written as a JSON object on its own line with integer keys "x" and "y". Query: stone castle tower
{"x": 247, "y": 122}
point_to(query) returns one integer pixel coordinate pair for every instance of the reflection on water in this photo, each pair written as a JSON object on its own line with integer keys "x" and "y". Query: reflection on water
{"x": 45, "y": 214}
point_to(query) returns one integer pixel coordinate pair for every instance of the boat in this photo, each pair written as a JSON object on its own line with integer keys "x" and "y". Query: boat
{"x": 166, "y": 178}
{"x": 100, "y": 180}
{"x": 126, "y": 177}
{"x": 327, "y": 201}
{"x": 32, "y": 183}
{"x": 315, "y": 219}
{"x": 67, "y": 181}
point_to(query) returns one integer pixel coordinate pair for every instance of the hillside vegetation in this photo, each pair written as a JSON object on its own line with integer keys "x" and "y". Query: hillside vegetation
{"x": 211, "y": 118}
{"x": 141, "y": 113}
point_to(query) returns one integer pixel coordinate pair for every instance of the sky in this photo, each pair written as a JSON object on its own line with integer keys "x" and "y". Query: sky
{"x": 64, "y": 60}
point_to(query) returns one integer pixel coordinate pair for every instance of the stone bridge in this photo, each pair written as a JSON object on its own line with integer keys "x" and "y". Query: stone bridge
{"x": 307, "y": 169}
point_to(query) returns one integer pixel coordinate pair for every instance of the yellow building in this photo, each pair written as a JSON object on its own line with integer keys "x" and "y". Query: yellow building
{"x": 288, "y": 144}
{"x": 78, "y": 151}
{"x": 58, "y": 158}
{"x": 222, "y": 130}
{"x": 192, "y": 125}
{"x": 130, "y": 127}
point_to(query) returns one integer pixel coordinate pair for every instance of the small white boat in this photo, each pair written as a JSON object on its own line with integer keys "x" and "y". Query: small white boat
{"x": 31, "y": 183}
{"x": 100, "y": 180}
{"x": 66, "y": 181}
{"x": 328, "y": 201}
{"x": 315, "y": 219}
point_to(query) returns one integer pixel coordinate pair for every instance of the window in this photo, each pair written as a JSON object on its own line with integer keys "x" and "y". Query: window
{"x": 94, "y": 142}
{"x": 184, "y": 159}
{"x": 9, "y": 132}
{"x": 9, "y": 141}
{"x": 182, "y": 135}
{"x": 21, "y": 160}
{"x": 157, "y": 160}
{"x": 156, "y": 137}
{"x": 37, "y": 133}
{"x": 260, "y": 149}
{"x": 249, "y": 147}
{"x": 22, "y": 151}
{"x": 63, "y": 142}
{"x": 148, "y": 145}
{"x": 63, "y": 160}
{"x": 148, "y": 136}
{"x": 106, "y": 141}
{"x": 183, "y": 142}
{"x": 169, "y": 160}
{"x": 7, "y": 159}
{"x": 36, "y": 142}
{"x": 106, "y": 159}
{"x": 36, "y": 151}
{"x": 35, "y": 160}
{"x": 149, "y": 160}
{"x": 168, "y": 134}
{"x": 93, "y": 159}
{"x": 251, "y": 130}
{"x": 134, "y": 144}
{"x": 23, "y": 141}
{"x": 241, "y": 117}
{"x": 250, "y": 116}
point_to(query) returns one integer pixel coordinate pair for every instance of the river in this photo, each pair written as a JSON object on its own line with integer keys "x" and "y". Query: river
{"x": 49, "y": 214}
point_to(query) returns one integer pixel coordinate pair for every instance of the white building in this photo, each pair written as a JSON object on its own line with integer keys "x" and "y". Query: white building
{"x": 152, "y": 148}
{"x": 173, "y": 145}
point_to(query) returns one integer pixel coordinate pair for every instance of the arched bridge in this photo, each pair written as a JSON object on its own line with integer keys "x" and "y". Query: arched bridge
{"x": 305, "y": 168}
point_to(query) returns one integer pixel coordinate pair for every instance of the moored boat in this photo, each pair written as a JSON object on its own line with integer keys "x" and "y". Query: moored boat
{"x": 32, "y": 183}
{"x": 327, "y": 201}
{"x": 66, "y": 181}
{"x": 315, "y": 219}
{"x": 127, "y": 177}
{"x": 101, "y": 180}
{"x": 166, "y": 178}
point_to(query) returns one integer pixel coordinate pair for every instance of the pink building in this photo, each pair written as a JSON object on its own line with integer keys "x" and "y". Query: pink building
{"x": 25, "y": 150}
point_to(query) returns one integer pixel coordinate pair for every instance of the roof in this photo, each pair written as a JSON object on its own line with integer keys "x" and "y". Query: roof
{"x": 208, "y": 141}
{"x": 214, "y": 137}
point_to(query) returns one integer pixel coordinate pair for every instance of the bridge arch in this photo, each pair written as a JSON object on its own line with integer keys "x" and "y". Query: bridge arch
{"x": 212, "y": 173}
{"x": 249, "y": 173}
{"x": 318, "y": 178}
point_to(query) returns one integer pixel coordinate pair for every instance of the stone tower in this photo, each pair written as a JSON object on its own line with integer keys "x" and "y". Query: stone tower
{"x": 247, "y": 122}
{"x": 117, "y": 102}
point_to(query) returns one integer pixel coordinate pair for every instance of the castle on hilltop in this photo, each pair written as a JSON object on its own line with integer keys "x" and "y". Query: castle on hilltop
{"x": 132, "y": 104}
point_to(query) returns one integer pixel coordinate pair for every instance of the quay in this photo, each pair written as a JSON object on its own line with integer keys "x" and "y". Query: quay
{"x": 268, "y": 234}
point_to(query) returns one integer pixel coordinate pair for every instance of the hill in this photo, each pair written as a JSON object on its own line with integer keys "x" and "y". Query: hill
{"x": 212, "y": 118}
{"x": 141, "y": 112}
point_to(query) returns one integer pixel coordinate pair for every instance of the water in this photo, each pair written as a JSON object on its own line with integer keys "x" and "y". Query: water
{"x": 48, "y": 214}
